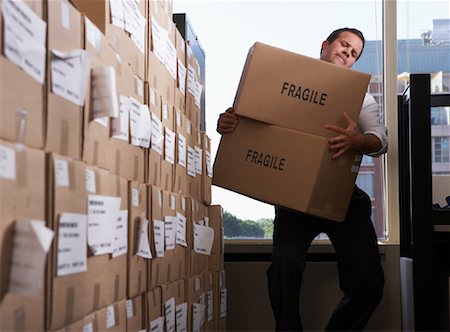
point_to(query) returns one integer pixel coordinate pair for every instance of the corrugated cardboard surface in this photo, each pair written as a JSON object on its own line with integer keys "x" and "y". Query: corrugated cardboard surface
{"x": 287, "y": 168}
{"x": 275, "y": 84}
{"x": 21, "y": 198}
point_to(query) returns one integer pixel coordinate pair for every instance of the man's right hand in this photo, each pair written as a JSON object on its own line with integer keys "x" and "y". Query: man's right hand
{"x": 227, "y": 121}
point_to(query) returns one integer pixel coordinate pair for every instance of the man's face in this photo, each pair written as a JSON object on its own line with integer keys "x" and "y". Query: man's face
{"x": 343, "y": 51}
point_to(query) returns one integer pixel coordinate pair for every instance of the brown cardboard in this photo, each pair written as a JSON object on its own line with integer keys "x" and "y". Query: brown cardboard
{"x": 137, "y": 266}
{"x": 160, "y": 79}
{"x": 64, "y": 118}
{"x": 22, "y": 114}
{"x": 136, "y": 314}
{"x": 88, "y": 321}
{"x": 196, "y": 212}
{"x": 195, "y": 288}
{"x": 181, "y": 252}
{"x": 157, "y": 267}
{"x": 219, "y": 286}
{"x": 169, "y": 210}
{"x": 287, "y": 168}
{"x": 21, "y": 198}
{"x": 112, "y": 318}
{"x": 167, "y": 168}
{"x": 180, "y": 175}
{"x": 72, "y": 297}
{"x": 216, "y": 259}
{"x": 210, "y": 314}
{"x": 197, "y": 181}
{"x": 297, "y": 92}
{"x": 206, "y": 161}
{"x": 175, "y": 290}
{"x": 154, "y": 306}
{"x": 99, "y": 13}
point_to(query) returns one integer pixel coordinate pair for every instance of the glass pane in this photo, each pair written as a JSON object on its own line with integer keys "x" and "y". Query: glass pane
{"x": 227, "y": 29}
{"x": 424, "y": 47}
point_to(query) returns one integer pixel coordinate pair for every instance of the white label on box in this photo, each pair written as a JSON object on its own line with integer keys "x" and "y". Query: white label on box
{"x": 104, "y": 98}
{"x": 102, "y": 121}
{"x": 173, "y": 202}
{"x": 70, "y": 75}
{"x": 135, "y": 196}
{"x": 181, "y": 317}
{"x": 178, "y": 119}
{"x": 90, "y": 181}
{"x": 197, "y": 284}
{"x": 159, "y": 37}
{"x": 140, "y": 124}
{"x": 198, "y": 312}
{"x": 120, "y": 244}
{"x": 65, "y": 18}
{"x": 190, "y": 161}
{"x": 158, "y": 232}
{"x": 169, "y": 306}
{"x": 102, "y": 214}
{"x": 209, "y": 169}
{"x": 153, "y": 96}
{"x": 181, "y": 150}
{"x": 24, "y": 38}
{"x": 130, "y": 8}
{"x": 165, "y": 112}
{"x": 89, "y": 327}
{"x": 169, "y": 147}
{"x": 188, "y": 127}
{"x": 32, "y": 240}
{"x": 117, "y": 13}
{"x": 93, "y": 34}
{"x": 210, "y": 305}
{"x": 160, "y": 198}
{"x": 7, "y": 163}
{"x": 139, "y": 86}
{"x": 143, "y": 244}
{"x": 223, "y": 303}
{"x": 72, "y": 244}
{"x": 129, "y": 307}
{"x": 171, "y": 58}
{"x": 191, "y": 80}
{"x": 120, "y": 125}
{"x": 138, "y": 35}
{"x": 198, "y": 160}
{"x": 181, "y": 230}
{"x": 157, "y": 134}
{"x": 183, "y": 203}
{"x": 182, "y": 77}
{"x": 170, "y": 231}
{"x": 110, "y": 316}
{"x": 198, "y": 93}
{"x": 157, "y": 325}
{"x": 62, "y": 173}
{"x": 203, "y": 239}
{"x": 189, "y": 51}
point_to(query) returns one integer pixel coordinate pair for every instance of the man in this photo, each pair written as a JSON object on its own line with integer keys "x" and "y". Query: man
{"x": 355, "y": 241}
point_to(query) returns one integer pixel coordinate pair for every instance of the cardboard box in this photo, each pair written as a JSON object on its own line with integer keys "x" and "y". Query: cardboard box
{"x": 199, "y": 170}
{"x": 196, "y": 214}
{"x": 154, "y": 308}
{"x": 158, "y": 265}
{"x": 180, "y": 175}
{"x": 72, "y": 296}
{"x": 136, "y": 314}
{"x": 206, "y": 169}
{"x": 195, "y": 294}
{"x": 216, "y": 259}
{"x": 297, "y": 92}
{"x": 220, "y": 301}
{"x": 112, "y": 318}
{"x": 22, "y": 114}
{"x": 22, "y": 196}
{"x": 87, "y": 323}
{"x": 137, "y": 266}
{"x": 210, "y": 314}
{"x": 182, "y": 251}
{"x": 287, "y": 168}
{"x": 153, "y": 100}
{"x": 64, "y": 117}
{"x": 174, "y": 294}
{"x": 168, "y": 212}
{"x": 160, "y": 79}
{"x": 168, "y": 161}
{"x": 99, "y": 12}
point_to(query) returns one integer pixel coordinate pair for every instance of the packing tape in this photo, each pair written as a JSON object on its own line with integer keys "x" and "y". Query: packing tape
{"x": 180, "y": 269}
{"x": 96, "y": 299}
{"x": 116, "y": 314}
{"x": 95, "y": 322}
{"x": 70, "y": 304}
{"x": 117, "y": 162}
{"x": 169, "y": 270}
{"x": 98, "y": 183}
{"x": 118, "y": 191}
{"x": 155, "y": 300}
{"x": 95, "y": 153}
{"x": 21, "y": 166}
{"x": 116, "y": 287}
{"x": 136, "y": 169}
{"x": 139, "y": 282}
{"x": 21, "y": 125}
{"x": 166, "y": 182}
{"x": 157, "y": 274}
{"x": 20, "y": 317}
{"x": 180, "y": 294}
{"x": 64, "y": 134}
{"x": 72, "y": 182}
{"x": 155, "y": 175}
{"x": 118, "y": 66}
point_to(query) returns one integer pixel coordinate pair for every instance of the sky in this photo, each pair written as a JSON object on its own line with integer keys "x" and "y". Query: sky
{"x": 227, "y": 29}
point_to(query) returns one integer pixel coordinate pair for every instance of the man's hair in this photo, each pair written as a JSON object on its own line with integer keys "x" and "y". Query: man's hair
{"x": 335, "y": 34}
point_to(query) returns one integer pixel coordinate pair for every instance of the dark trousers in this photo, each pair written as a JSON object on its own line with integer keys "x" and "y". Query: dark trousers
{"x": 360, "y": 273}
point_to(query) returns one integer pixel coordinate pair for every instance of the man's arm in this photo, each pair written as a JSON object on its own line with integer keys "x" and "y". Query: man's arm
{"x": 350, "y": 138}
{"x": 227, "y": 121}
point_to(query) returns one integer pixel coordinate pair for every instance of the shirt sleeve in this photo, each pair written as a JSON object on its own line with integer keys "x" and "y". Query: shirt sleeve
{"x": 369, "y": 122}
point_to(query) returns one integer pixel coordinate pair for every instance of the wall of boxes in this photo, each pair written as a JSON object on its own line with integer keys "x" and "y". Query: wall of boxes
{"x": 106, "y": 220}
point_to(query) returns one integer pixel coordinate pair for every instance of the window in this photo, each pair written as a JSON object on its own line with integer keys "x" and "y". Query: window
{"x": 365, "y": 182}
{"x": 440, "y": 149}
{"x": 440, "y": 116}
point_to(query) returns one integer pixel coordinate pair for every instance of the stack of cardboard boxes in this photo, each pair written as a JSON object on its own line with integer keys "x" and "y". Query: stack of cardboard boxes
{"x": 106, "y": 220}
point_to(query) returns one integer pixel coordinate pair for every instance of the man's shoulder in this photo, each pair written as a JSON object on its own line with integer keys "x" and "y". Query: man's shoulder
{"x": 368, "y": 101}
